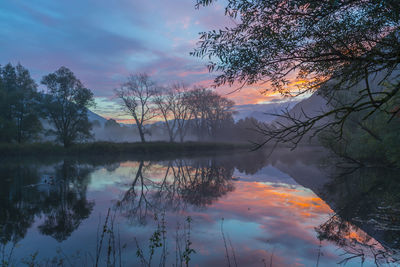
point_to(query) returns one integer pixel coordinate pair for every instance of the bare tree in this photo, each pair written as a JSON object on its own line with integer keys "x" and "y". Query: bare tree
{"x": 198, "y": 102}
{"x": 174, "y": 106}
{"x": 164, "y": 100}
{"x": 136, "y": 95}
{"x": 181, "y": 109}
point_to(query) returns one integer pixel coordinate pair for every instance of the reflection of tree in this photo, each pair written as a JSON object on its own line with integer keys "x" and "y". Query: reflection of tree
{"x": 367, "y": 221}
{"x": 355, "y": 242}
{"x": 59, "y": 196}
{"x": 66, "y": 204}
{"x": 248, "y": 163}
{"x": 18, "y": 203}
{"x": 205, "y": 183}
{"x": 198, "y": 183}
{"x": 134, "y": 201}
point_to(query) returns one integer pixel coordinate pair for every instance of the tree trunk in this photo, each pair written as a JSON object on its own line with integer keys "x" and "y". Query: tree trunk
{"x": 181, "y": 135}
{"x": 66, "y": 140}
{"x": 66, "y": 143}
{"x": 141, "y": 133}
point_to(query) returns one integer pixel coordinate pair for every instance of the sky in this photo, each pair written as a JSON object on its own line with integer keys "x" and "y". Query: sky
{"x": 104, "y": 41}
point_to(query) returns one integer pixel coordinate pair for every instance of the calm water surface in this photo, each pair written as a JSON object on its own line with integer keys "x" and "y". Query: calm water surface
{"x": 247, "y": 209}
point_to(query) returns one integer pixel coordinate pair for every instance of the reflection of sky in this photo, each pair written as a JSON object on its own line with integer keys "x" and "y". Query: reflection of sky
{"x": 262, "y": 218}
{"x": 103, "y": 41}
{"x": 266, "y": 174}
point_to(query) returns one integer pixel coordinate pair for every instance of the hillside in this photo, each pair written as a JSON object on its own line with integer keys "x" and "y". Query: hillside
{"x": 316, "y": 104}
{"x": 261, "y": 111}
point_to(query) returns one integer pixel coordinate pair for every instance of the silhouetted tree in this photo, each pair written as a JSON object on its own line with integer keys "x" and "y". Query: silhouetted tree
{"x": 344, "y": 42}
{"x": 209, "y": 111}
{"x": 19, "y": 105}
{"x": 181, "y": 109}
{"x": 174, "y": 106}
{"x": 65, "y": 106}
{"x": 165, "y": 101}
{"x": 136, "y": 95}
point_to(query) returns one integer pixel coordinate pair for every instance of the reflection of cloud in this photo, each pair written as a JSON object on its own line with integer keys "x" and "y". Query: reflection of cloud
{"x": 285, "y": 216}
{"x": 264, "y": 199}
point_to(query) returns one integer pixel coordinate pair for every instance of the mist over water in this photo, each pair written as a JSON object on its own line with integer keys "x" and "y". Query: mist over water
{"x": 129, "y": 133}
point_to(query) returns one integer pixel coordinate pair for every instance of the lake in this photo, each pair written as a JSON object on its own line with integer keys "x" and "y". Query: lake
{"x": 290, "y": 208}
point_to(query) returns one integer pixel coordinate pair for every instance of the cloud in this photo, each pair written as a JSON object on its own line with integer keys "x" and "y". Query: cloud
{"x": 103, "y": 41}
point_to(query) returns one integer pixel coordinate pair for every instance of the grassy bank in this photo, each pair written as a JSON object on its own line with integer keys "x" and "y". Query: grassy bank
{"x": 110, "y": 148}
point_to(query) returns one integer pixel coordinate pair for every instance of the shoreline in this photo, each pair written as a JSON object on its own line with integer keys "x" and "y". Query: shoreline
{"x": 117, "y": 149}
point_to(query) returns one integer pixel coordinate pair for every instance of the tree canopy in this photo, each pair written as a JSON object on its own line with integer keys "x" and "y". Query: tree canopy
{"x": 311, "y": 42}
{"x": 65, "y": 106}
{"x": 19, "y": 103}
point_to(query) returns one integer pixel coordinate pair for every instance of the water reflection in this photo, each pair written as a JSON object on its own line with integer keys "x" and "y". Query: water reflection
{"x": 365, "y": 204}
{"x": 292, "y": 203}
{"x": 55, "y": 193}
{"x": 195, "y": 182}
{"x": 367, "y": 219}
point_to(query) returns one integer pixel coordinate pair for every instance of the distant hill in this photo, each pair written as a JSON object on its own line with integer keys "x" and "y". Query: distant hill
{"x": 260, "y": 111}
{"x": 316, "y": 104}
{"x": 96, "y": 117}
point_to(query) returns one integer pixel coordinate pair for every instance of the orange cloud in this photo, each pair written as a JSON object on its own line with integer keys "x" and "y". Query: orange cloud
{"x": 187, "y": 73}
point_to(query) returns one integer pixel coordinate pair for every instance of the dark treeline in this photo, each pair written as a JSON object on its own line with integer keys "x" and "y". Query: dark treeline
{"x": 28, "y": 115}
{"x": 369, "y": 139}
{"x": 19, "y": 105}
{"x": 60, "y": 113}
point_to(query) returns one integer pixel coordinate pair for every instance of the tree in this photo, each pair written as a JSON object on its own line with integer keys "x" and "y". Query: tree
{"x": 8, "y": 87}
{"x": 374, "y": 140}
{"x": 136, "y": 95}
{"x": 26, "y": 113}
{"x": 220, "y": 114}
{"x": 66, "y": 105}
{"x": 209, "y": 111}
{"x": 345, "y": 42}
{"x": 244, "y": 130}
{"x": 198, "y": 102}
{"x": 19, "y": 102}
{"x": 181, "y": 109}
{"x": 165, "y": 101}
{"x": 173, "y": 105}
